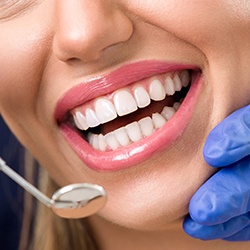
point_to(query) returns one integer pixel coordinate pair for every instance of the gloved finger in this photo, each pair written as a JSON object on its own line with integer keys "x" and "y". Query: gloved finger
{"x": 229, "y": 141}
{"x": 224, "y": 196}
{"x": 219, "y": 231}
{"x": 243, "y": 235}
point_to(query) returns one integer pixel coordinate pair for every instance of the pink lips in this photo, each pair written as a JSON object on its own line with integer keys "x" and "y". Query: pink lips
{"x": 136, "y": 152}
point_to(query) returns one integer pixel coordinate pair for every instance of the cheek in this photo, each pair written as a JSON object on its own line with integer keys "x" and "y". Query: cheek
{"x": 21, "y": 67}
{"x": 240, "y": 9}
{"x": 16, "y": 78}
{"x": 182, "y": 18}
{"x": 205, "y": 24}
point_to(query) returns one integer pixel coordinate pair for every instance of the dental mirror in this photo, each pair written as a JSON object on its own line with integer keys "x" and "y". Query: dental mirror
{"x": 73, "y": 201}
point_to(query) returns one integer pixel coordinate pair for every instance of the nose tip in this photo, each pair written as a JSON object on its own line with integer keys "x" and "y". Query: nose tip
{"x": 83, "y": 33}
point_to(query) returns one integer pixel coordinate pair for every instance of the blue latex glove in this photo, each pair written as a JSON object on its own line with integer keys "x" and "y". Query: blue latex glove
{"x": 220, "y": 209}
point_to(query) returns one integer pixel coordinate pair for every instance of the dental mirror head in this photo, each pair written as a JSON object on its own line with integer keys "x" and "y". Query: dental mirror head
{"x": 72, "y": 201}
{"x": 78, "y": 200}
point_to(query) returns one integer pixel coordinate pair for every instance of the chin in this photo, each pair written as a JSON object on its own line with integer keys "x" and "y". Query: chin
{"x": 155, "y": 199}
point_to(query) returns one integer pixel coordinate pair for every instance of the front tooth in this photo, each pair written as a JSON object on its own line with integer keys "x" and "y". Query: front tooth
{"x": 185, "y": 78}
{"x": 142, "y": 97}
{"x": 168, "y": 112}
{"x": 156, "y": 90}
{"x": 177, "y": 82}
{"x": 111, "y": 141}
{"x": 124, "y": 102}
{"x": 80, "y": 121}
{"x": 169, "y": 86}
{"x": 158, "y": 120}
{"x": 134, "y": 131}
{"x": 91, "y": 118}
{"x": 146, "y": 126}
{"x": 105, "y": 110}
{"x": 122, "y": 136}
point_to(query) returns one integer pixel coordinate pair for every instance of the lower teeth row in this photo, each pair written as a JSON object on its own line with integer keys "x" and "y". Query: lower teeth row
{"x": 132, "y": 132}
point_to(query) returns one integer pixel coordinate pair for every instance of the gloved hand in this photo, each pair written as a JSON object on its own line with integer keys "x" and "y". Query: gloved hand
{"x": 220, "y": 209}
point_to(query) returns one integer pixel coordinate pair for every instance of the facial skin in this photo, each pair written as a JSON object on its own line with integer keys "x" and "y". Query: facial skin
{"x": 48, "y": 47}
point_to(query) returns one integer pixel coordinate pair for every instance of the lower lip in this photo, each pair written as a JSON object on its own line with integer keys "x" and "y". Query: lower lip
{"x": 137, "y": 152}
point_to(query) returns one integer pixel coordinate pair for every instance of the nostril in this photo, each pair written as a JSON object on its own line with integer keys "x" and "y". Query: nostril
{"x": 73, "y": 60}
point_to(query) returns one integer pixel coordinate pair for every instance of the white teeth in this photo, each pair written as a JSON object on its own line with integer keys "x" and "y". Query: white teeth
{"x": 156, "y": 90}
{"x": 80, "y": 121}
{"x": 142, "y": 97}
{"x": 124, "y": 102}
{"x": 168, "y": 112}
{"x": 93, "y": 140}
{"x": 146, "y": 126}
{"x": 102, "y": 142}
{"x": 177, "y": 83}
{"x": 122, "y": 136}
{"x": 134, "y": 131}
{"x": 169, "y": 86}
{"x": 91, "y": 118}
{"x": 158, "y": 120}
{"x": 111, "y": 141}
{"x": 105, "y": 110}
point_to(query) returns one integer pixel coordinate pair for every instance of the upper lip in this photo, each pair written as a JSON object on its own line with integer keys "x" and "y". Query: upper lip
{"x": 104, "y": 84}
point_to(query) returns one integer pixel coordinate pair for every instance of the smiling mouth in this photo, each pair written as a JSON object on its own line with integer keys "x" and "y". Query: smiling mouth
{"x": 132, "y": 113}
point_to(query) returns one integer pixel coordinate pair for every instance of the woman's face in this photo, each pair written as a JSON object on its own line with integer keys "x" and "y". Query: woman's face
{"x": 68, "y": 65}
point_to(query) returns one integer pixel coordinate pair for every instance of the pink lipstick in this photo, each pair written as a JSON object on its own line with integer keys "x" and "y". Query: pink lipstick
{"x": 139, "y": 150}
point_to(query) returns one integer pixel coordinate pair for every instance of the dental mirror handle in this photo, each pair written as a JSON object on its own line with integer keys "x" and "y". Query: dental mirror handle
{"x": 26, "y": 185}
{"x": 73, "y": 201}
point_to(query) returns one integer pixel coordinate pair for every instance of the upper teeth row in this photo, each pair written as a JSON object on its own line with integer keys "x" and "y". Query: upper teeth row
{"x": 125, "y": 101}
